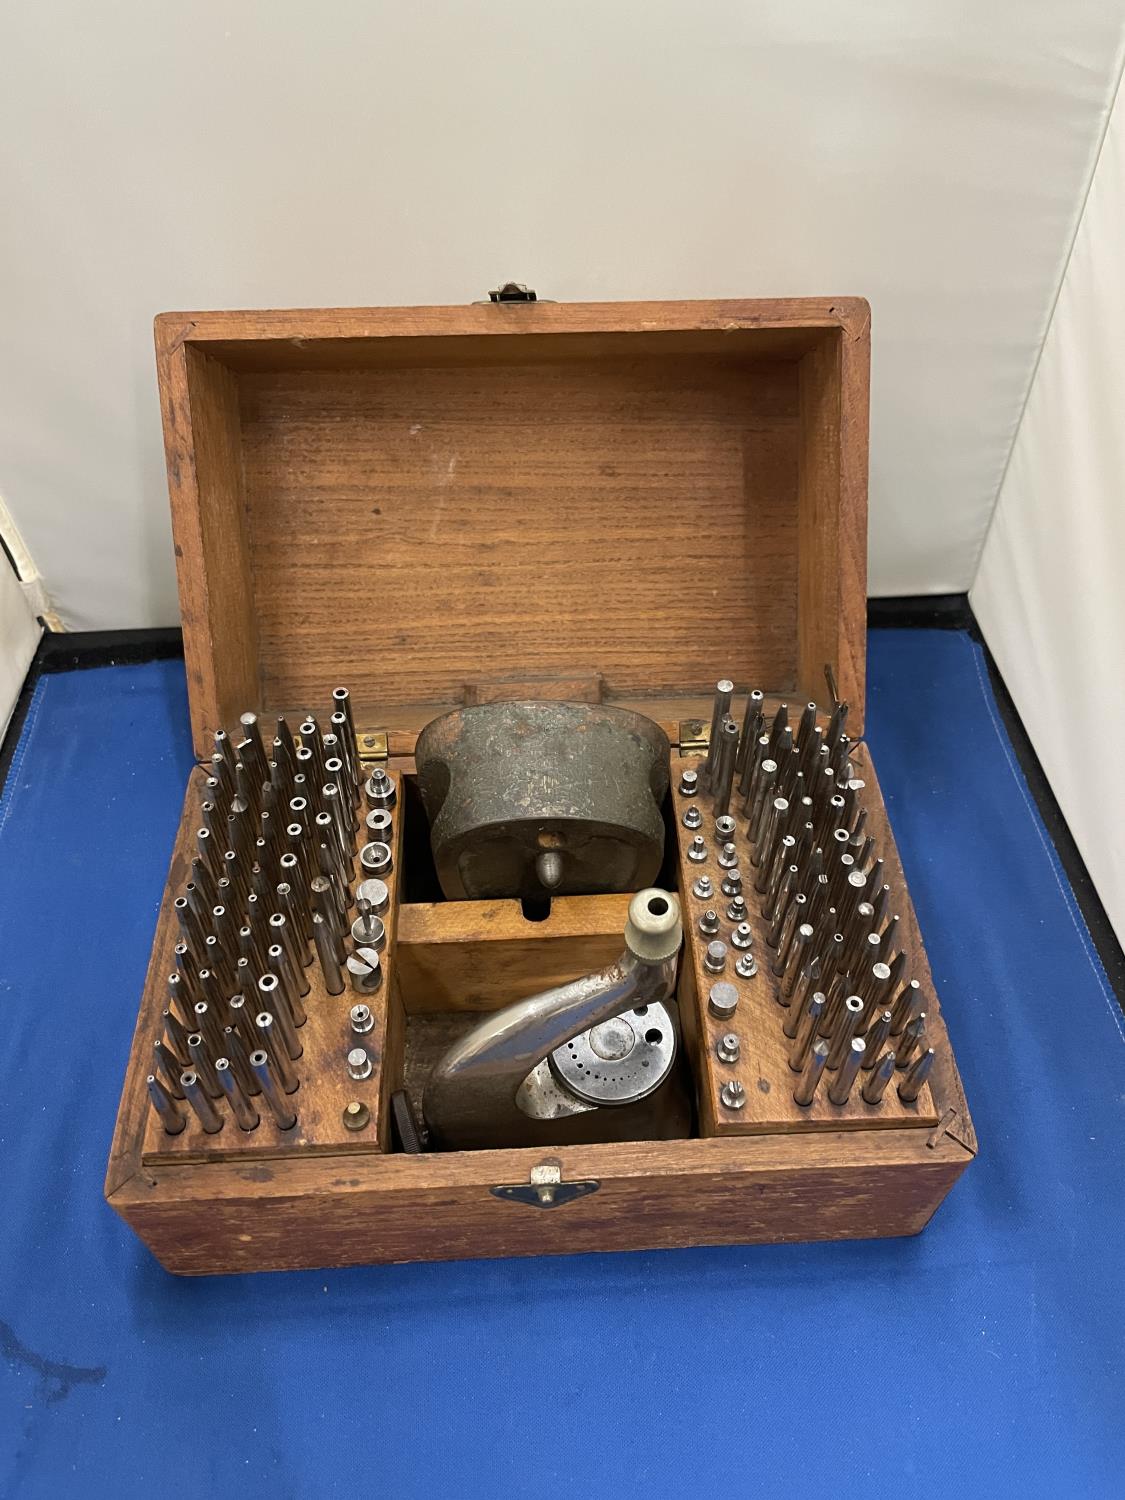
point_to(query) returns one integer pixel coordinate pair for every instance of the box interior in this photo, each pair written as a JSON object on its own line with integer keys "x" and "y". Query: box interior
{"x": 439, "y": 521}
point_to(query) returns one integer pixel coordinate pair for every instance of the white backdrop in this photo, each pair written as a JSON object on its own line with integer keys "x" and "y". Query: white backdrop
{"x": 1050, "y": 594}
{"x": 929, "y": 155}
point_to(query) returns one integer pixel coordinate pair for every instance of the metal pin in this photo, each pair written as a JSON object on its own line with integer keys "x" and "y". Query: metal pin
{"x": 805, "y": 1092}
{"x": 176, "y": 1032}
{"x": 169, "y": 1067}
{"x": 238, "y": 1055}
{"x": 724, "y": 691}
{"x": 268, "y": 1037}
{"x": 284, "y": 1117}
{"x": 278, "y": 962}
{"x": 906, "y": 1006}
{"x": 201, "y": 1063}
{"x": 164, "y": 1103}
{"x": 750, "y": 784}
{"x": 272, "y": 1001}
{"x": 773, "y": 865}
{"x": 911, "y": 1085}
{"x": 841, "y": 1086}
{"x": 813, "y": 972}
{"x": 880, "y": 1073}
{"x": 689, "y": 783}
{"x": 243, "y": 1111}
{"x": 326, "y": 952}
{"x": 367, "y": 929}
{"x": 208, "y": 1024}
{"x": 325, "y": 899}
{"x": 791, "y": 921}
{"x": 205, "y": 1112}
{"x": 910, "y": 1040}
{"x": 836, "y": 723}
{"x": 845, "y": 1030}
{"x": 773, "y": 910}
{"x": 697, "y": 849}
{"x": 760, "y": 789}
{"x": 876, "y": 1036}
{"x": 722, "y": 777}
{"x": 764, "y": 847}
{"x": 806, "y": 1032}
{"x": 795, "y": 960}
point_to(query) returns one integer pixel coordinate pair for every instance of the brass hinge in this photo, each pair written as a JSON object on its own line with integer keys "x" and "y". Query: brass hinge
{"x": 545, "y": 1188}
{"x": 372, "y": 744}
{"x": 694, "y": 736}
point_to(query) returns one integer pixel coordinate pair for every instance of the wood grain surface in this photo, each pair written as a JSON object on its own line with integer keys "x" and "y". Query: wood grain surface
{"x": 482, "y": 955}
{"x": 322, "y": 1211}
{"x": 426, "y": 503}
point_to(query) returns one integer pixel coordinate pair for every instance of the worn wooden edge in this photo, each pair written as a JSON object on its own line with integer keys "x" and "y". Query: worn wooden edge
{"x": 307, "y": 325}
{"x": 370, "y": 1210}
{"x": 945, "y": 1080}
{"x": 133, "y": 1108}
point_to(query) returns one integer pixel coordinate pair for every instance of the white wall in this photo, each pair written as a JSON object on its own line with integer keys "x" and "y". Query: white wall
{"x": 930, "y": 155}
{"x": 1050, "y": 593}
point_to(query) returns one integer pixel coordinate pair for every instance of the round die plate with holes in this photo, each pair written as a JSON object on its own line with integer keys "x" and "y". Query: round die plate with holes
{"x": 620, "y": 1060}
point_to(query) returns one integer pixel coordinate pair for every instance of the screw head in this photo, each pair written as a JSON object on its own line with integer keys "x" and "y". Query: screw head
{"x": 733, "y": 1094}
{"x": 703, "y": 889}
{"x": 743, "y": 935}
{"x": 746, "y": 966}
{"x": 728, "y": 1048}
{"x": 693, "y": 818}
{"x": 722, "y": 1001}
{"x": 715, "y": 959}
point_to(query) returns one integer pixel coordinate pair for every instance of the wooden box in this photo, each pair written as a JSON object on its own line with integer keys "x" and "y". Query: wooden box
{"x": 442, "y": 506}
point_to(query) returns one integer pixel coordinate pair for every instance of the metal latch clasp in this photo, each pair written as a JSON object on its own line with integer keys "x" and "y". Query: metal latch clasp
{"x": 512, "y": 291}
{"x": 545, "y": 1188}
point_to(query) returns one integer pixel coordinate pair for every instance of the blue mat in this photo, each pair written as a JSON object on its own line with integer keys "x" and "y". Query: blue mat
{"x": 982, "y": 1358}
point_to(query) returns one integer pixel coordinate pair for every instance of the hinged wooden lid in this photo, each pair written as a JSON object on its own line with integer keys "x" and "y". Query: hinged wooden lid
{"x": 444, "y": 505}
